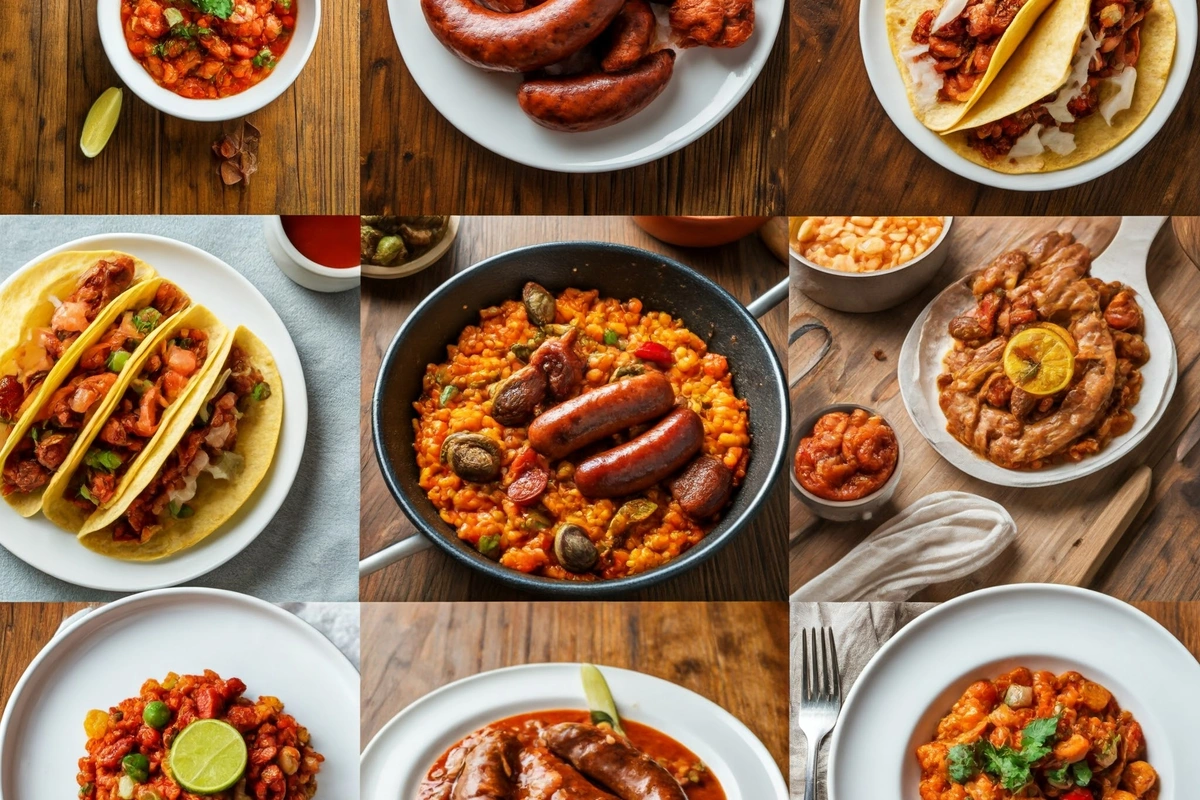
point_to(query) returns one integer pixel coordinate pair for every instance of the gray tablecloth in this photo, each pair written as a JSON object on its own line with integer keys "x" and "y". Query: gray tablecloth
{"x": 310, "y": 550}
{"x": 859, "y": 630}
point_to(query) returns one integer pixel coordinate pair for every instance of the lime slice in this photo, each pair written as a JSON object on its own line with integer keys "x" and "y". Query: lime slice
{"x": 599, "y": 698}
{"x": 208, "y": 756}
{"x": 101, "y": 120}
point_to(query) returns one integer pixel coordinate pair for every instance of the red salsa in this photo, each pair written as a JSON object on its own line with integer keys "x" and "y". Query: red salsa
{"x": 331, "y": 241}
{"x": 848, "y": 456}
{"x": 208, "y": 48}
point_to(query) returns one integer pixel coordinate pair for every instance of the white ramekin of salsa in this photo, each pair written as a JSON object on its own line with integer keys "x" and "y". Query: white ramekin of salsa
{"x": 319, "y": 253}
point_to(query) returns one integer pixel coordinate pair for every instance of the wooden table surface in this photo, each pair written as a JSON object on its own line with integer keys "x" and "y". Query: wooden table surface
{"x": 1151, "y": 562}
{"x": 53, "y": 68}
{"x": 735, "y": 654}
{"x": 842, "y": 126}
{"x": 415, "y": 162}
{"x": 752, "y": 566}
{"x": 862, "y": 630}
{"x": 24, "y": 630}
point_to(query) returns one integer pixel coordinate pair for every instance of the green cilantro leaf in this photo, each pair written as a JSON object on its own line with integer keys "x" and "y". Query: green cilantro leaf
{"x": 218, "y": 8}
{"x": 964, "y": 762}
{"x": 1006, "y": 764}
{"x": 1083, "y": 773}
{"x": 179, "y": 511}
{"x": 1057, "y": 777}
{"x": 86, "y": 495}
{"x": 1036, "y": 738}
{"x": 105, "y": 460}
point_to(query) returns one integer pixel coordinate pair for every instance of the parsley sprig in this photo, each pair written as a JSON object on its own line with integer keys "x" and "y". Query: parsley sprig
{"x": 1013, "y": 768}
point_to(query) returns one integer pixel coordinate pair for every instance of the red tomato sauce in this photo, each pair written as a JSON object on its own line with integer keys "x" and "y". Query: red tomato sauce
{"x": 331, "y": 241}
{"x": 200, "y": 55}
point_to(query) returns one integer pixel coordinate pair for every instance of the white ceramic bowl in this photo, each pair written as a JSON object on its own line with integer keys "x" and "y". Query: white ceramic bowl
{"x": 135, "y": 76}
{"x": 864, "y": 292}
{"x": 304, "y": 270}
{"x": 843, "y": 510}
{"x": 417, "y": 264}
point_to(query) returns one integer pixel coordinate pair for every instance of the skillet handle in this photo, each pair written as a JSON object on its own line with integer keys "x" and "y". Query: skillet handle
{"x": 807, "y": 325}
{"x": 774, "y": 296}
{"x": 392, "y": 553}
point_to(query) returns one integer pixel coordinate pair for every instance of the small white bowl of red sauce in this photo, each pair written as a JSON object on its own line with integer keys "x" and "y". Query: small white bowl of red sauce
{"x": 846, "y": 462}
{"x": 319, "y": 253}
{"x": 185, "y": 60}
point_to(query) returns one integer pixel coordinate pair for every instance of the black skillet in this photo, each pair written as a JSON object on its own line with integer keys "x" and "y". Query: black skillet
{"x": 619, "y": 271}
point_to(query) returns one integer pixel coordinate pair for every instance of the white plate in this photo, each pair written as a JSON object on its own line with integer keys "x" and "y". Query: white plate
{"x": 210, "y": 282}
{"x": 399, "y": 756}
{"x": 706, "y": 85}
{"x": 135, "y": 76}
{"x": 913, "y": 681}
{"x": 927, "y": 343}
{"x": 888, "y": 84}
{"x": 105, "y": 657}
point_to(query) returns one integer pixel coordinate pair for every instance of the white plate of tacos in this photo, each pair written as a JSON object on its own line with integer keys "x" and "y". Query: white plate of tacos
{"x": 143, "y": 438}
{"x": 1056, "y": 94}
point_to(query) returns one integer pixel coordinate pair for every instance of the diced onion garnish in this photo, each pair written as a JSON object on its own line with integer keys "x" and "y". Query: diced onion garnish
{"x": 125, "y": 787}
{"x": 1058, "y": 140}
{"x": 1123, "y": 99}
{"x": 216, "y": 437}
{"x": 1029, "y": 144}
{"x": 1073, "y": 87}
{"x": 173, "y": 16}
{"x": 926, "y": 80}
{"x": 1018, "y": 696}
{"x": 227, "y": 467}
{"x": 54, "y": 301}
{"x": 181, "y": 496}
{"x": 951, "y": 10}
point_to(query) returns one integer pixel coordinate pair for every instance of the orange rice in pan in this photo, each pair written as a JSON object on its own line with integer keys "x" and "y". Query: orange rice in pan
{"x": 455, "y": 398}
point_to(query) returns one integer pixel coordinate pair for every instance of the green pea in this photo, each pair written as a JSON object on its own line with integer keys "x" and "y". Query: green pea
{"x": 157, "y": 715}
{"x": 137, "y": 767}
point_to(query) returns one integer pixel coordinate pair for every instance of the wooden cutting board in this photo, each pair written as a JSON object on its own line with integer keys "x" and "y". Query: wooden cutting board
{"x": 1126, "y": 531}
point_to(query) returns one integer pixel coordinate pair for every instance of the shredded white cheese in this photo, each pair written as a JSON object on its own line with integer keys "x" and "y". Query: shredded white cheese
{"x": 1058, "y": 140}
{"x": 1123, "y": 99}
{"x": 1029, "y": 144}
{"x": 1088, "y": 46}
{"x": 926, "y": 80}
{"x": 951, "y": 11}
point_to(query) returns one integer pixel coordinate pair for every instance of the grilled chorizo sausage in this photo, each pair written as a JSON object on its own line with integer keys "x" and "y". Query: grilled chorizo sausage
{"x": 703, "y": 488}
{"x": 608, "y": 759}
{"x": 645, "y": 460}
{"x": 520, "y": 42}
{"x": 629, "y": 36}
{"x": 601, "y": 412}
{"x": 554, "y": 778}
{"x": 488, "y": 769}
{"x": 596, "y": 100}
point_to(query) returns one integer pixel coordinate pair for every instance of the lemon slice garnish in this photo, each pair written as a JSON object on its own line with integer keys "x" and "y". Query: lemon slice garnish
{"x": 1040, "y": 360}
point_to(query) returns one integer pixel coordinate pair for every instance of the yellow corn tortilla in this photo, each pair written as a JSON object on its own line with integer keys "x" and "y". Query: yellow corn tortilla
{"x": 32, "y": 291}
{"x": 216, "y": 500}
{"x": 56, "y": 505}
{"x": 902, "y": 16}
{"x": 1021, "y": 85}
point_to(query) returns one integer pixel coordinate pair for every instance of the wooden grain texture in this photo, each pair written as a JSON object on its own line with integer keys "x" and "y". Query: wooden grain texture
{"x": 861, "y": 629}
{"x": 840, "y": 126}
{"x": 155, "y": 164}
{"x": 735, "y": 654}
{"x": 1153, "y": 560}
{"x": 415, "y": 162}
{"x": 25, "y": 628}
{"x": 752, "y": 566}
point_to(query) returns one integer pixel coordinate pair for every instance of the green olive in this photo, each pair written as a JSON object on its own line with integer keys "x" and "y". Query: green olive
{"x": 157, "y": 715}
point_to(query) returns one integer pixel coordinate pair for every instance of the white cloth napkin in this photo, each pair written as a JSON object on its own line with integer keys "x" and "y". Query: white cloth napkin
{"x": 941, "y": 537}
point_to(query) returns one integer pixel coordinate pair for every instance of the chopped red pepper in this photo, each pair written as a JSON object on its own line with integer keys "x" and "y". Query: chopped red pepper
{"x": 1078, "y": 794}
{"x": 653, "y": 351}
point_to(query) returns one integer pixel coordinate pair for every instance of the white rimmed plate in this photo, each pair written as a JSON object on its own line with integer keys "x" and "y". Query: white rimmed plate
{"x": 105, "y": 656}
{"x": 135, "y": 76}
{"x": 888, "y": 84}
{"x": 913, "y": 681}
{"x": 706, "y": 85}
{"x": 210, "y": 282}
{"x": 928, "y": 341}
{"x": 399, "y": 756}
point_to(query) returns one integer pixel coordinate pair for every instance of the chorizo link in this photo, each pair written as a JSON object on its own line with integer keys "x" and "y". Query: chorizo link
{"x": 601, "y": 412}
{"x": 544, "y": 776}
{"x": 644, "y": 461}
{"x": 629, "y": 36}
{"x": 519, "y": 42}
{"x": 608, "y": 759}
{"x": 488, "y": 770}
{"x": 596, "y": 100}
{"x": 703, "y": 488}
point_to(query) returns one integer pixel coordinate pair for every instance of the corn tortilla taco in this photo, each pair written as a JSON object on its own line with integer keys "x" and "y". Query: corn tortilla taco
{"x": 1032, "y": 120}
{"x": 138, "y": 413}
{"x": 948, "y": 55}
{"x": 219, "y": 448}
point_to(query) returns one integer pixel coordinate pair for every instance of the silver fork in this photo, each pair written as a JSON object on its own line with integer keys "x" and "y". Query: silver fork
{"x": 820, "y": 698}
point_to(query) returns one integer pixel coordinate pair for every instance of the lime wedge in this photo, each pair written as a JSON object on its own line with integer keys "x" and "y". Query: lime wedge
{"x": 208, "y": 756}
{"x": 599, "y": 698}
{"x": 101, "y": 120}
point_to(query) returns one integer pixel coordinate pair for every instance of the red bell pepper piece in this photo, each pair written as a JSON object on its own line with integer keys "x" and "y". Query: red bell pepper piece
{"x": 653, "y": 351}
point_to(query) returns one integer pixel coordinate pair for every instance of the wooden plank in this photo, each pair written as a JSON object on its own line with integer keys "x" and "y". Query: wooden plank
{"x": 411, "y": 649}
{"x": 845, "y": 153}
{"x": 414, "y": 161}
{"x": 25, "y": 628}
{"x": 750, "y": 568}
{"x": 1145, "y": 564}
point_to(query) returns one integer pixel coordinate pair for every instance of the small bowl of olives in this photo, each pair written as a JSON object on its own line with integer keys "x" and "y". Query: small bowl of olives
{"x": 396, "y": 247}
